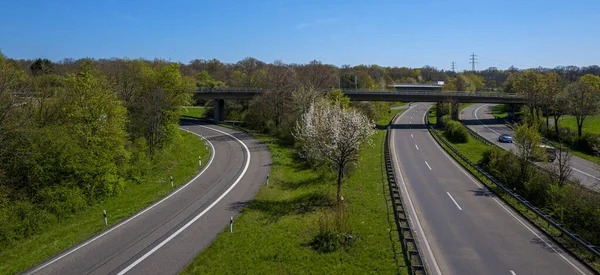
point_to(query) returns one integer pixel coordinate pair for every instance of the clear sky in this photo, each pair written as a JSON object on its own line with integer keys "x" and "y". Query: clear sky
{"x": 524, "y": 33}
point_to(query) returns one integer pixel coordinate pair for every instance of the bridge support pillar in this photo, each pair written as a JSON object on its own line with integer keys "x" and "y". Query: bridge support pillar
{"x": 219, "y": 110}
{"x": 454, "y": 110}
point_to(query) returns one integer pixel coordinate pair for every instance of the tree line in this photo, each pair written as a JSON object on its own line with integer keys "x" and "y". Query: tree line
{"x": 71, "y": 137}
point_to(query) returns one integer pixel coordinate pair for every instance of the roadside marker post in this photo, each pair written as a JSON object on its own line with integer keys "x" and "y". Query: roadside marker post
{"x": 231, "y": 224}
{"x": 172, "y": 181}
{"x": 199, "y": 161}
{"x": 268, "y": 179}
{"x": 105, "y": 219}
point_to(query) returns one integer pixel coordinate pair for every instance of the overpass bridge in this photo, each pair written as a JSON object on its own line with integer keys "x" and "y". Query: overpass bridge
{"x": 219, "y": 96}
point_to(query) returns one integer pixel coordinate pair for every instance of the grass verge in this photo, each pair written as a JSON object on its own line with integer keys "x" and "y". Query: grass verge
{"x": 274, "y": 231}
{"x": 591, "y": 124}
{"x": 192, "y": 112}
{"x": 469, "y": 151}
{"x": 500, "y": 111}
{"x": 180, "y": 161}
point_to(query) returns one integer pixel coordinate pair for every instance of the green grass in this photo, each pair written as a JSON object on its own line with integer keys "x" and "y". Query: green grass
{"x": 273, "y": 233}
{"x": 398, "y": 104}
{"x": 192, "y": 112}
{"x": 499, "y": 111}
{"x": 472, "y": 150}
{"x": 180, "y": 161}
{"x": 591, "y": 124}
{"x": 431, "y": 115}
{"x": 468, "y": 150}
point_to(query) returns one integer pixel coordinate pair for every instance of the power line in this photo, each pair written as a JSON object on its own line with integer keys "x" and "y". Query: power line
{"x": 473, "y": 61}
{"x": 453, "y": 66}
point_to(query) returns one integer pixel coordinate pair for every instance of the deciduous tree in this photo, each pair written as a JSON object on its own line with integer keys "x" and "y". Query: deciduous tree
{"x": 331, "y": 134}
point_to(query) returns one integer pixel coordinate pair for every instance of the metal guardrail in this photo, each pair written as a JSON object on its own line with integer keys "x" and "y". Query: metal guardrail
{"x": 594, "y": 251}
{"x": 479, "y": 137}
{"x": 409, "y": 244}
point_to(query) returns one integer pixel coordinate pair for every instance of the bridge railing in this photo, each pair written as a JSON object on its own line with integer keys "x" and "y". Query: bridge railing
{"x": 369, "y": 92}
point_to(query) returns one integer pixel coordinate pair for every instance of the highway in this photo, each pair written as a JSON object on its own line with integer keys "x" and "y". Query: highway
{"x": 165, "y": 237}
{"x": 460, "y": 226}
{"x": 479, "y": 118}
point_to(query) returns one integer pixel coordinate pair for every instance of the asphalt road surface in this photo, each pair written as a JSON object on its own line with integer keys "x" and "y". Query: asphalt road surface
{"x": 165, "y": 237}
{"x": 479, "y": 118}
{"x": 461, "y": 227}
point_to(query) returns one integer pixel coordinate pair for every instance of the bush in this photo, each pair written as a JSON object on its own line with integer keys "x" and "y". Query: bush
{"x": 455, "y": 132}
{"x": 334, "y": 231}
{"x": 586, "y": 143}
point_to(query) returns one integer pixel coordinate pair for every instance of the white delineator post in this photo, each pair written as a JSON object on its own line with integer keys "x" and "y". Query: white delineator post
{"x": 172, "y": 181}
{"x": 268, "y": 179}
{"x": 105, "y": 219}
{"x": 231, "y": 224}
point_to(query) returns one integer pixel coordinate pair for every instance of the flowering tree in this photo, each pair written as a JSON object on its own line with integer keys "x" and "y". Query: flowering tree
{"x": 331, "y": 134}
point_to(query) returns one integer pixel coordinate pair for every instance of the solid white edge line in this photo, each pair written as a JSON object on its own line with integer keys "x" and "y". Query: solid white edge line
{"x": 476, "y": 117}
{"x": 136, "y": 215}
{"x": 412, "y": 206}
{"x": 199, "y": 215}
{"x": 503, "y": 206}
{"x": 454, "y": 201}
{"x": 417, "y": 147}
{"x": 428, "y": 166}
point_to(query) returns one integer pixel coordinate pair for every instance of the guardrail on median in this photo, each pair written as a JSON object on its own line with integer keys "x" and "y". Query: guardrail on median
{"x": 574, "y": 239}
{"x": 405, "y": 233}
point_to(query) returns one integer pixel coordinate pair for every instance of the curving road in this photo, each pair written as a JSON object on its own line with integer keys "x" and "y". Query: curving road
{"x": 479, "y": 118}
{"x": 461, "y": 228}
{"x": 165, "y": 237}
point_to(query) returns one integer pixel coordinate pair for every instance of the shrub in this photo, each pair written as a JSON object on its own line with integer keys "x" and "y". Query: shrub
{"x": 334, "y": 231}
{"x": 586, "y": 143}
{"x": 456, "y": 132}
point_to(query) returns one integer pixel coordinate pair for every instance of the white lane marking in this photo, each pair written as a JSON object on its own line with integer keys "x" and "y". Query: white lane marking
{"x": 454, "y": 201}
{"x": 476, "y": 117}
{"x": 199, "y": 215}
{"x": 139, "y": 213}
{"x": 411, "y": 135}
{"x": 428, "y": 165}
{"x": 574, "y": 169}
{"x": 417, "y": 147}
{"x": 504, "y": 207}
{"x": 412, "y": 206}
{"x": 512, "y": 272}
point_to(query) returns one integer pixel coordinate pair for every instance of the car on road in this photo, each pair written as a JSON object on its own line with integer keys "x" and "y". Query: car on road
{"x": 505, "y": 138}
{"x": 550, "y": 152}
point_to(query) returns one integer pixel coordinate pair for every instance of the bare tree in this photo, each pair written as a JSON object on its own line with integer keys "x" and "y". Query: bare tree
{"x": 317, "y": 75}
{"x": 562, "y": 166}
{"x": 331, "y": 134}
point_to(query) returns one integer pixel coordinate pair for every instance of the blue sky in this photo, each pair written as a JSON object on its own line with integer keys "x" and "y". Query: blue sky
{"x": 525, "y": 33}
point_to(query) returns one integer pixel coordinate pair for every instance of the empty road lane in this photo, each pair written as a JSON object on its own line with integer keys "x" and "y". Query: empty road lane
{"x": 467, "y": 230}
{"x": 165, "y": 237}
